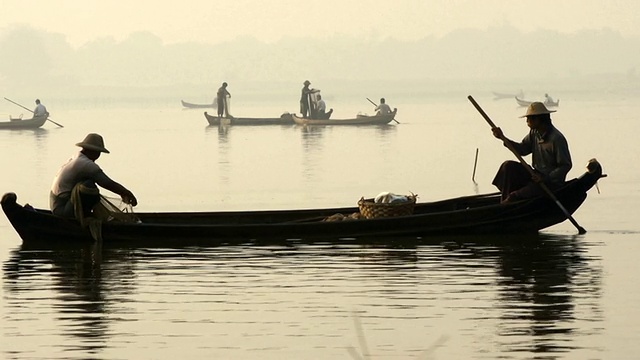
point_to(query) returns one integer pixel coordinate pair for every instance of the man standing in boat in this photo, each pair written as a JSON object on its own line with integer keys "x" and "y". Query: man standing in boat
{"x": 40, "y": 109}
{"x": 305, "y": 101}
{"x": 549, "y": 150}
{"x": 223, "y": 109}
{"x": 74, "y": 193}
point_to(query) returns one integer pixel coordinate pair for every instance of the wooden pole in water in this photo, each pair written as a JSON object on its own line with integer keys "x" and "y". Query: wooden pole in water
{"x": 475, "y": 163}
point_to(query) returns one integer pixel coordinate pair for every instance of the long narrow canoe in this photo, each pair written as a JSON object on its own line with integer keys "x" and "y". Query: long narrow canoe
{"x": 18, "y": 124}
{"x": 284, "y": 119}
{"x": 466, "y": 215}
{"x": 198, "y": 106}
{"x": 359, "y": 120}
{"x": 522, "y": 102}
{"x": 499, "y": 96}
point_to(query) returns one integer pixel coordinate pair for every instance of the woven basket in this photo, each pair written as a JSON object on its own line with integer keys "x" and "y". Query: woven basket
{"x": 372, "y": 210}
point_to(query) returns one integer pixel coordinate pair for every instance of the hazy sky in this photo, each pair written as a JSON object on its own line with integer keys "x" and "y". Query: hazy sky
{"x": 214, "y": 21}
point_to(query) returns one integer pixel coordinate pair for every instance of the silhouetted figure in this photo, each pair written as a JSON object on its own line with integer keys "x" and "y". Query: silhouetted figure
{"x": 549, "y": 150}
{"x": 223, "y": 109}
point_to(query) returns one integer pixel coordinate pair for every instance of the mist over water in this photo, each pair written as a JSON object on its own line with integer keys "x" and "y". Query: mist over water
{"x": 553, "y": 296}
{"x": 142, "y": 67}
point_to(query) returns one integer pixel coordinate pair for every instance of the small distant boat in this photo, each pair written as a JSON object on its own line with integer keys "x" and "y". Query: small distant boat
{"x": 499, "y": 96}
{"x": 284, "y": 119}
{"x": 522, "y": 102}
{"x": 359, "y": 120}
{"x": 20, "y": 124}
{"x": 198, "y": 106}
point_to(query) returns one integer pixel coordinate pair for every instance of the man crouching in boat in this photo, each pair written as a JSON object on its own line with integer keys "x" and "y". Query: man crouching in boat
{"x": 549, "y": 150}
{"x": 74, "y": 192}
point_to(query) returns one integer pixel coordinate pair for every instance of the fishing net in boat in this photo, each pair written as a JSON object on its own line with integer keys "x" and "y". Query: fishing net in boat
{"x": 110, "y": 210}
{"x": 114, "y": 209}
{"x": 343, "y": 217}
{"x": 106, "y": 209}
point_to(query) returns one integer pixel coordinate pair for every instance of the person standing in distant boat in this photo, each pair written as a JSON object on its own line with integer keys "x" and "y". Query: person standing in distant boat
{"x": 74, "y": 192}
{"x": 222, "y": 95}
{"x": 551, "y": 160}
{"x": 40, "y": 109}
{"x": 305, "y": 108}
{"x": 383, "y": 108}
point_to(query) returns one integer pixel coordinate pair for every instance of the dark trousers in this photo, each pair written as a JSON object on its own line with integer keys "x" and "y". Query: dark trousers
{"x": 66, "y": 208}
{"x": 304, "y": 109}
{"x": 514, "y": 181}
{"x": 220, "y": 107}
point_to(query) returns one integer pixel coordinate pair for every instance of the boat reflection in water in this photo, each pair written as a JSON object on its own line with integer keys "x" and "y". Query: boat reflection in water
{"x": 529, "y": 294}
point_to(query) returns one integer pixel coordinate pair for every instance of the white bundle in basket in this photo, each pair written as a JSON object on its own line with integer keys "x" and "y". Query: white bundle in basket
{"x": 391, "y": 198}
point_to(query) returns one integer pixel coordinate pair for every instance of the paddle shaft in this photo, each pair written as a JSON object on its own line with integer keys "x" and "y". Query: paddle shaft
{"x": 376, "y": 105}
{"x": 31, "y": 111}
{"x": 544, "y": 187}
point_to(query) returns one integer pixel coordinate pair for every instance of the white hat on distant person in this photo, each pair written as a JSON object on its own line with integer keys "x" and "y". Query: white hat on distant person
{"x": 93, "y": 142}
{"x": 537, "y": 108}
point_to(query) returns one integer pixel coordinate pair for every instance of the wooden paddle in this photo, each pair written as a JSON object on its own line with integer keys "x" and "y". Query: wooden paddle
{"x": 544, "y": 187}
{"x": 376, "y": 105}
{"x": 11, "y": 101}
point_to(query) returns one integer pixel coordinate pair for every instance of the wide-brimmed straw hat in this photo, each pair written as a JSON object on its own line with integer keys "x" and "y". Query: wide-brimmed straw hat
{"x": 537, "y": 108}
{"x": 93, "y": 142}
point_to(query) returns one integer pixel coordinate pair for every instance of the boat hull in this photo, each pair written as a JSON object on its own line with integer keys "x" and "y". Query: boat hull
{"x": 525, "y": 103}
{"x": 284, "y": 119}
{"x": 18, "y": 124}
{"x": 197, "y": 106}
{"x": 359, "y": 120}
{"x": 468, "y": 215}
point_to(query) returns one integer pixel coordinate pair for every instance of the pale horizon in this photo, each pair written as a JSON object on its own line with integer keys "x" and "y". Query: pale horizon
{"x": 81, "y": 22}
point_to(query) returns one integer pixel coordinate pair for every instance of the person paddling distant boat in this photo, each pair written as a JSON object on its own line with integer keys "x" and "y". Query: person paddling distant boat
{"x": 40, "y": 109}
{"x": 383, "y": 108}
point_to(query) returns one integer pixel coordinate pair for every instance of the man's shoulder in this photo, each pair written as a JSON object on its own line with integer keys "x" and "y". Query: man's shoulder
{"x": 86, "y": 162}
{"x": 555, "y": 132}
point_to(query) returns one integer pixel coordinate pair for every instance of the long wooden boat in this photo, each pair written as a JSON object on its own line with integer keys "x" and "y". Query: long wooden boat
{"x": 213, "y": 120}
{"x": 198, "y": 106}
{"x": 19, "y": 124}
{"x": 467, "y": 215}
{"x": 522, "y": 102}
{"x": 359, "y": 120}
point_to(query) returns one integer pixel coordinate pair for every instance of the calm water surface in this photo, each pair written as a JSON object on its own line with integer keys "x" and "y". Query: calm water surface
{"x": 552, "y": 296}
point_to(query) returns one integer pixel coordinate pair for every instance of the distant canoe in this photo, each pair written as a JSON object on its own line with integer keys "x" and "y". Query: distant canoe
{"x": 284, "y": 119}
{"x": 499, "y": 96}
{"x": 197, "y": 106}
{"x": 546, "y": 103}
{"x": 359, "y": 120}
{"x": 18, "y": 124}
